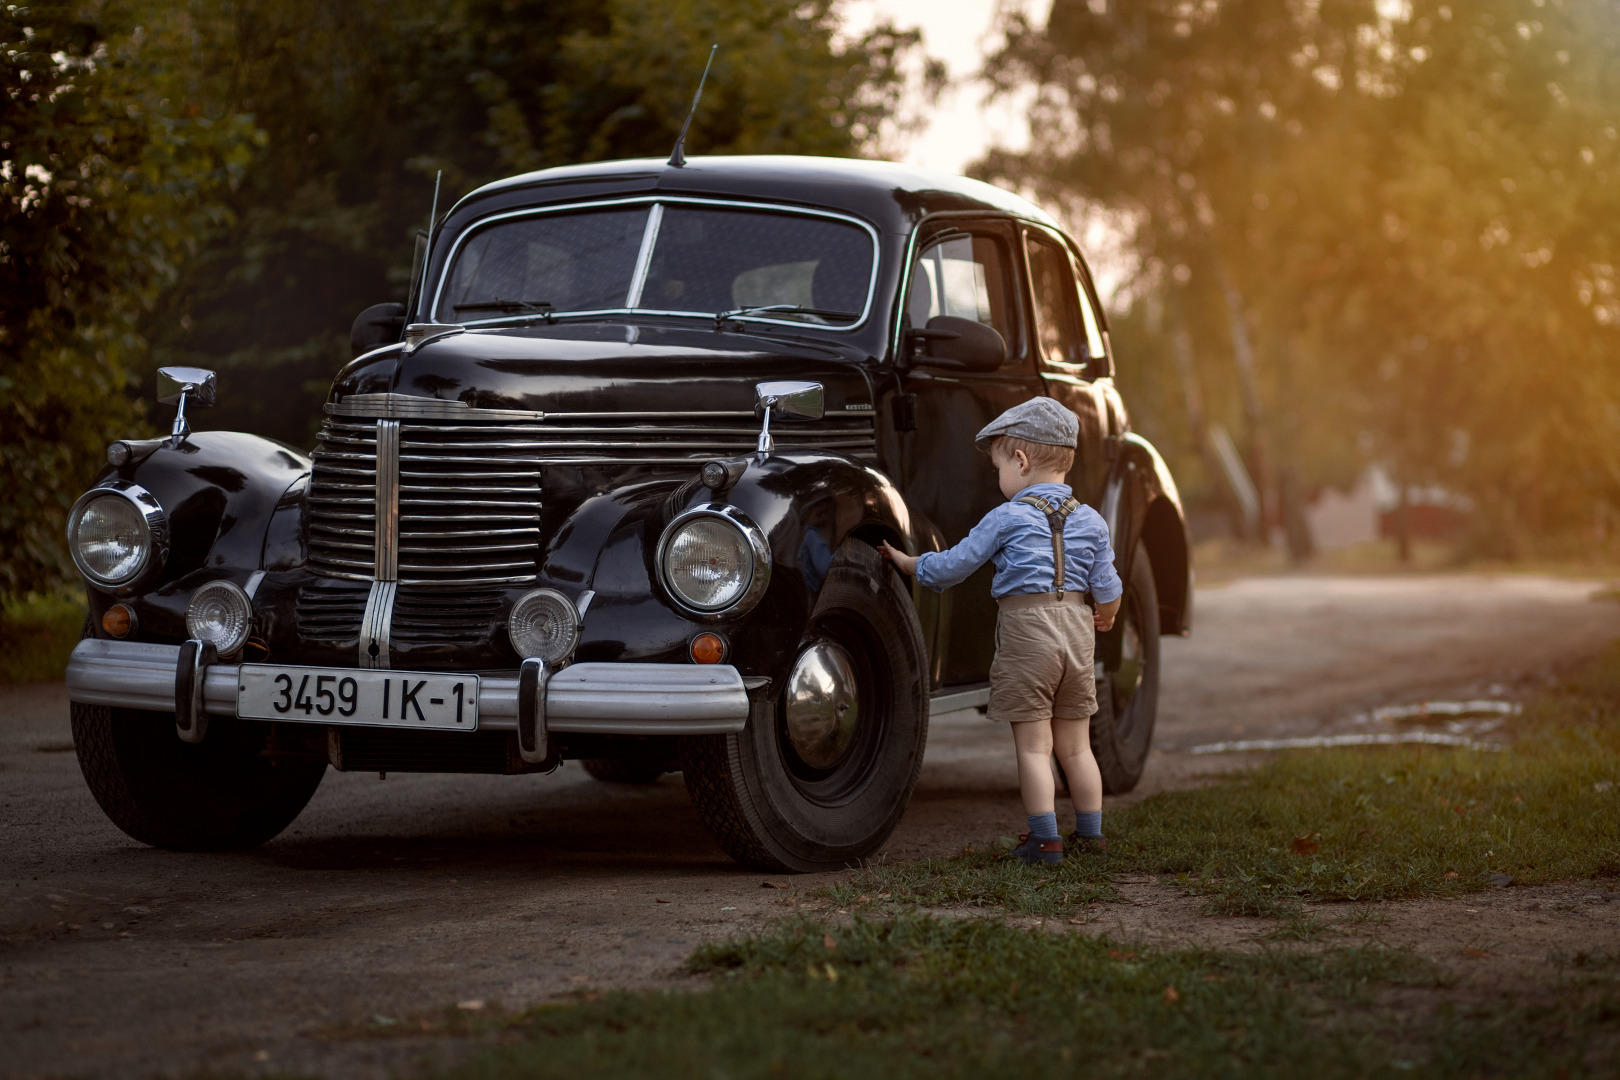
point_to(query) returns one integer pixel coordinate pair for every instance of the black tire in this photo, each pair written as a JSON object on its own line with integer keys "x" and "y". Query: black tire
{"x": 1128, "y": 689}
{"x": 770, "y": 810}
{"x": 220, "y": 794}
{"x": 627, "y": 770}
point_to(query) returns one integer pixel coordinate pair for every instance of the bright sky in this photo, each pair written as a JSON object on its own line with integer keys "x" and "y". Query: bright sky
{"x": 956, "y": 31}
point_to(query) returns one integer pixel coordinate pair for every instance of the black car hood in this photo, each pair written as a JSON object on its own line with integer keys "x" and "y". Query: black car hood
{"x": 605, "y": 368}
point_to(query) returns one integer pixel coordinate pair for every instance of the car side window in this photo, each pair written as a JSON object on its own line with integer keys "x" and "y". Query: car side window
{"x": 1095, "y": 345}
{"x": 1060, "y": 326}
{"x": 967, "y": 276}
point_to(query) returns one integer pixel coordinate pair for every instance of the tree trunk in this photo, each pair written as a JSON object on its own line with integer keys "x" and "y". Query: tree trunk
{"x": 1192, "y": 393}
{"x": 1403, "y": 523}
{"x": 1249, "y": 384}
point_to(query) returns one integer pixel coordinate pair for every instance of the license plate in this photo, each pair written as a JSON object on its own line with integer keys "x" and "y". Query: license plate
{"x": 401, "y": 699}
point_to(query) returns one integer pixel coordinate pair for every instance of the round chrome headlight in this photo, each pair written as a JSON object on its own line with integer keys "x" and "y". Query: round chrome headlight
{"x": 116, "y": 533}
{"x": 714, "y": 561}
{"x": 220, "y": 614}
{"x": 544, "y": 625}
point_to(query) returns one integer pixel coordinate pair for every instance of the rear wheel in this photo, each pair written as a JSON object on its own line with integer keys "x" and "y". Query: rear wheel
{"x": 823, "y": 771}
{"x": 1128, "y": 683}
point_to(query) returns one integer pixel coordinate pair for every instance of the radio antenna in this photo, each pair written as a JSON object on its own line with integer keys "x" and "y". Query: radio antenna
{"x": 678, "y": 158}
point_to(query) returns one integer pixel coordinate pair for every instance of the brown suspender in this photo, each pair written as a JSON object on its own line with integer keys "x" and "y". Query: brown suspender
{"x": 1055, "y": 520}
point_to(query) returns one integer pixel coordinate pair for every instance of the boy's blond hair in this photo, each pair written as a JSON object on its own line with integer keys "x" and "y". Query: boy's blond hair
{"x": 1041, "y": 455}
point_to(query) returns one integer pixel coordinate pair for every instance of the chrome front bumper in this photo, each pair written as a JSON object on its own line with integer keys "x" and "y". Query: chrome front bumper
{"x": 608, "y": 699}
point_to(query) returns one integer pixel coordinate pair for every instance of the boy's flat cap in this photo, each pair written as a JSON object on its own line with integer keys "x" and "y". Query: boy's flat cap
{"x": 1038, "y": 420}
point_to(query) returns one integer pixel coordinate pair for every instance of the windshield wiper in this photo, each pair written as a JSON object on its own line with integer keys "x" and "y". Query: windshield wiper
{"x": 513, "y": 307}
{"x": 796, "y": 309}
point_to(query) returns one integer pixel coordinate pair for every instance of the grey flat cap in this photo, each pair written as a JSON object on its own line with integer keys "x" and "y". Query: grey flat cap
{"x": 1038, "y": 420}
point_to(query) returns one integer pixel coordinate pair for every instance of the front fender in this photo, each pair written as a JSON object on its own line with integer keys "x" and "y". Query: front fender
{"x": 1141, "y": 503}
{"x": 806, "y": 503}
{"x": 219, "y": 490}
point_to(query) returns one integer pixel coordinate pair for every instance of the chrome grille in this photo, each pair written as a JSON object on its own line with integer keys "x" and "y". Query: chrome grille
{"x": 425, "y": 615}
{"x": 329, "y": 612}
{"x": 469, "y": 489}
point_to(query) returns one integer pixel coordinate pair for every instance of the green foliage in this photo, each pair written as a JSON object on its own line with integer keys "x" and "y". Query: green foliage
{"x": 921, "y": 997}
{"x": 362, "y": 103}
{"x": 1414, "y": 206}
{"x": 106, "y": 185}
{"x": 36, "y": 636}
{"x": 1340, "y": 825}
{"x": 227, "y": 183}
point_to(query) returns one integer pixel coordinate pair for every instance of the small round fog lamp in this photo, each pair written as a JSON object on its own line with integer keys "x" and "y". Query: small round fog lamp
{"x": 544, "y": 625}
{"x": 220, "y": 614}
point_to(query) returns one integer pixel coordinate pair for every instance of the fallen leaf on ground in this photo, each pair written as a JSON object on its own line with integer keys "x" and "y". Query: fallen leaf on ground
{"x": 863, "y": 899}
{"x": 832, "y": 973}
{"x": 1172, "y": 995}
{"x": 773, "y": 884}
{"x": 660, "y": 901}
{"x": 1451, "y": 875}
{"x": 475, "y": 1005}
{"x": 1118, "y": 954}
{"x": 1306, "y": 845}
{"x": 828, "y": 942}
{"x": 1469, "y": 950}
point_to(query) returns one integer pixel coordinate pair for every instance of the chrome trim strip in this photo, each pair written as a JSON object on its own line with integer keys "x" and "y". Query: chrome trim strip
{"x": 667, "y": 200}
{"x": 623, "y": 699}
{"x": 409, "y": 407}
{"x": 376, "y": 624}
{"x": 387, "y": 519}
{"x": 947, "y": 701}
{"x": 649, "y": 237}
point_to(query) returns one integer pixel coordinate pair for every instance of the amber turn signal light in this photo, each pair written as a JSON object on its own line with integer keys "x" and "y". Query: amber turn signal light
{"x": 119, "y": 621}
{"x": 708, "y": 648}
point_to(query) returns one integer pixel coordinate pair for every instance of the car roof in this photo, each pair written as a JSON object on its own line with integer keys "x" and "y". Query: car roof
{"x": 890, "y": 195}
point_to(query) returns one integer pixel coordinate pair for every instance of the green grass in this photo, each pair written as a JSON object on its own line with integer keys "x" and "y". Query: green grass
{"x": 36, "y": 636}
{"x": 917, "y": 996}
{"x": 1347, "y": 825}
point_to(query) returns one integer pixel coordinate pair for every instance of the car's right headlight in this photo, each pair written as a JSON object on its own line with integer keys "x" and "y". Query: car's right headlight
{"x": 714, "y": 561}
{"x": 117, "y": 533}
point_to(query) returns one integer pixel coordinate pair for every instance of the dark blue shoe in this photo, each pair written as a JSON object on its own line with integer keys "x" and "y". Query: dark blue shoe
{"x": 1035, "y": 851}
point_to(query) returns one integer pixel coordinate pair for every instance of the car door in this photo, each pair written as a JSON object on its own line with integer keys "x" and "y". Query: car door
{"x": 967, "y": 268}
{"x": 1071, "y": 351}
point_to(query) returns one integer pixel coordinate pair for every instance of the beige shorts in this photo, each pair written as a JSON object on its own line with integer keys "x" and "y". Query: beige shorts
{"x": 1043, "y": 666}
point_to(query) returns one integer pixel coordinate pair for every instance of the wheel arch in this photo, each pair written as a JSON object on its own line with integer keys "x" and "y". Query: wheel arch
{"x": 1142, "y": 504}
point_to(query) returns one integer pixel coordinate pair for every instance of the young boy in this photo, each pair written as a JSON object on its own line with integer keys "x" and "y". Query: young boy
{"x": 1049, "y": 551}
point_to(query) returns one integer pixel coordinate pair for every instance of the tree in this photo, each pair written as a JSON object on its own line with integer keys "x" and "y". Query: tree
{"x": 362, "y": 103}
{"x": 1397, "y": 208}
{"x": 106, "y": 185}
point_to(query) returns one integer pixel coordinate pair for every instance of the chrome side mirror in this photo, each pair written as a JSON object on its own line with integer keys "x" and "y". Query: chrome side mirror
{"x": 177, "y": 384}
{"x": 788, "y": 400}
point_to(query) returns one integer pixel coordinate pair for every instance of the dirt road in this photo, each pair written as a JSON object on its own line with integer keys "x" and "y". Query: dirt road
{"x": 397, "y": 897}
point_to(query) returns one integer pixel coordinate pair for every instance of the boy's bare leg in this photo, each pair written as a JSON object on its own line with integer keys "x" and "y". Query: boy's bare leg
{"x": 1072, "y": 741}
{"x": 1033, "y": 739}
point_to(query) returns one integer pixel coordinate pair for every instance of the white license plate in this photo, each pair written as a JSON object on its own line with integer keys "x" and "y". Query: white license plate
{"x": 402, "y": 699}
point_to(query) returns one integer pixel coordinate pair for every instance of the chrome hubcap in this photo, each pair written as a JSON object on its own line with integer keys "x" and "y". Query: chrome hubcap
{"x": 822, "y": 707}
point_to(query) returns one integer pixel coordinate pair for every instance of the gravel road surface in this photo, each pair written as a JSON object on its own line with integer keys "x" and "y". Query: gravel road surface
{"x": 401, "y": 897}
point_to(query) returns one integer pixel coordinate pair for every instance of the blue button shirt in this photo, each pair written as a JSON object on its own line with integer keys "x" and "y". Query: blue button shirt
{"x": 1018, "y": 539}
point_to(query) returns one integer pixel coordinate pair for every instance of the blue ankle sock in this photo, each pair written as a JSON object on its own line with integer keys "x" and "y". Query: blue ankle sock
{"x": 1087, "y": 823}
{"x": 1043, "y": 826}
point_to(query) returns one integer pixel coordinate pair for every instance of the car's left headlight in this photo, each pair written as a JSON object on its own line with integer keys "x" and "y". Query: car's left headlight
{"x": 117, "y": 533}
{"x": 714, "y": 561}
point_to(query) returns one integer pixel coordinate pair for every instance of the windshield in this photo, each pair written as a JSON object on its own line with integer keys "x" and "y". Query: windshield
{"x": 669, "y": 258}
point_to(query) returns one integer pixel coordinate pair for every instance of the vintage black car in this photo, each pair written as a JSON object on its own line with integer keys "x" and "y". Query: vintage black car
{"x": 607, "y": 488}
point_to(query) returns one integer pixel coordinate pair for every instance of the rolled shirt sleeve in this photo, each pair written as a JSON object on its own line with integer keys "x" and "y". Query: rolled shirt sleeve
{"x": 1102, "y": 578}
{"x": 939, "y": 570}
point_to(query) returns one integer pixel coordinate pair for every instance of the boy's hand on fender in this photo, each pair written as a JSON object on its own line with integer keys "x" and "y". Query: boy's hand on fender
{"x": 906, "y": 564}
{"x": 1103, "y": 617}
